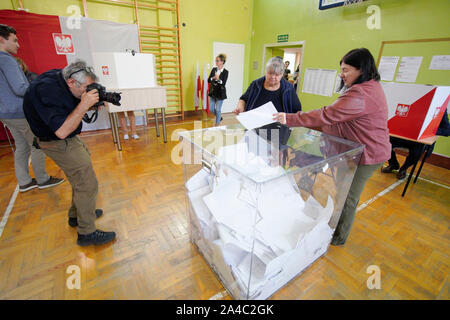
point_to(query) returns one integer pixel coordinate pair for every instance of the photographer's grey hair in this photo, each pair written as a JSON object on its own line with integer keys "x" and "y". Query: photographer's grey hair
{"x": 275, "y": 65}
{"x": 83, "y": 71}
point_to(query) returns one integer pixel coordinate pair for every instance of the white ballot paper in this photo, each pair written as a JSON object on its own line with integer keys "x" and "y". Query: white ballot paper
{"x": 258, "y": 117}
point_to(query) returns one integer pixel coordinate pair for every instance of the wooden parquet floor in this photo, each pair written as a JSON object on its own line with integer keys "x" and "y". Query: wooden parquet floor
{"x": 142, "y": 194}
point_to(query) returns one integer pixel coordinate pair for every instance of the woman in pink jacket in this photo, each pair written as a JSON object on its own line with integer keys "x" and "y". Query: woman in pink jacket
{"x": 360, "y": 115}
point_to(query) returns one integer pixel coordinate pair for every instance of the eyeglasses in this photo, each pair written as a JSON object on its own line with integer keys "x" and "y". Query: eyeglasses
{"x": 87, "y": 70}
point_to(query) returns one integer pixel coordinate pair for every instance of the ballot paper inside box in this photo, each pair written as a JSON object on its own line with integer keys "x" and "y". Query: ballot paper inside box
{"x": 261, "y": 213}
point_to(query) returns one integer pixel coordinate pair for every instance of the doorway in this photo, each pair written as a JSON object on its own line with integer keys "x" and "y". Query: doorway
{"x": 235, "y": 65}
{"x": 288, "y": 51}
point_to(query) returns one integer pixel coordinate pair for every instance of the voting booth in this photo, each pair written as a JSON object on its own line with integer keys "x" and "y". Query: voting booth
{"x": 415, "y": 110}
{"x": 124, "y": 70}
{"x": 259, "y": 212}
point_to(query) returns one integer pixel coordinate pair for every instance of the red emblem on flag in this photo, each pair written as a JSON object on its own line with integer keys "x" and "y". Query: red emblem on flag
{"x": 63, "y": 43}
{"x": 105, "y": 70}
{"x": 402, "y": 110}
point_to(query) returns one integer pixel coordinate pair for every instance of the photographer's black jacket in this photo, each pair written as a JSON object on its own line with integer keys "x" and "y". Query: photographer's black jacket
{"x": 47, "y": 103}
{"x": 224, "y": 77}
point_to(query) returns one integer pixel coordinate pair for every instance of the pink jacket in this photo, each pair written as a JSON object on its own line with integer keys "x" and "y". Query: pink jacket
{"x": 360, "y": 115}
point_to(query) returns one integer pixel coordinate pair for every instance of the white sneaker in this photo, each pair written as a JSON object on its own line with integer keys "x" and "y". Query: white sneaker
{"x": 125, "y": 137}
{"x": 135, "y": 136}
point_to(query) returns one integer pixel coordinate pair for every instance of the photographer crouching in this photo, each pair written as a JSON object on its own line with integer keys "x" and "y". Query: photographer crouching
{"x": 54, "y": 105}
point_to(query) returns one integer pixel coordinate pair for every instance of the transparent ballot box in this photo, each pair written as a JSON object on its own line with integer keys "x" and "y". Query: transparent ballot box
{"x": 263, "y": 204}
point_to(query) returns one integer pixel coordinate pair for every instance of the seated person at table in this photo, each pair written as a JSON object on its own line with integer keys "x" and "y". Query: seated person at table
{"x": 271, "y": 87}
{"x": 414, "y": 149}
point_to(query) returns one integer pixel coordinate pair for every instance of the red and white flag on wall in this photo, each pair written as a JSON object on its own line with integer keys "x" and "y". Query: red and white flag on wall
{"x": 197, "y": 89}
{"x": 205, "y": 89}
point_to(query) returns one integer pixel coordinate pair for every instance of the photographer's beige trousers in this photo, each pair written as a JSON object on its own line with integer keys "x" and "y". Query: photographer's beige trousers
{"x": 73, "y": 157}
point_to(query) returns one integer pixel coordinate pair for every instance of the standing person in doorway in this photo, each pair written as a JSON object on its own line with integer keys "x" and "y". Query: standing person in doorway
{"x": 217, "y": 92}
{"x": 13, "y": 85}
{"x": 360, "y": 115}
{"x": 123, "y": 125}
{"x": 286, "y": 70}
{"x": 296, "y": 77}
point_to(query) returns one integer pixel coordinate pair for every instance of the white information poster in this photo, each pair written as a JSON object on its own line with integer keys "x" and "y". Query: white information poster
{"x": 337, "y": 84}
{"x": 440, "y": 63}
{"x": 387, "y": 68}
{"x": 319, "y": 81}
{"x": 409, "y": 68}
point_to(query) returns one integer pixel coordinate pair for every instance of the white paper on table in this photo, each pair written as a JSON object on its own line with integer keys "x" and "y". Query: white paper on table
{"x": 387, "y": 67}
{"x": 440, "y": 62}
{"x": 258, "y": 117}
{"x": 408, "y": 69}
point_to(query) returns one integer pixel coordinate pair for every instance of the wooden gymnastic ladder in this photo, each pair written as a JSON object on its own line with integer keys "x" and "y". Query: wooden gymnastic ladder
{"x": 158, "y": 23}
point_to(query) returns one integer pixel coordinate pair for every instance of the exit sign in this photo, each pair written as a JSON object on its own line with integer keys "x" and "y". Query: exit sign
{"x": 283, "y": 38}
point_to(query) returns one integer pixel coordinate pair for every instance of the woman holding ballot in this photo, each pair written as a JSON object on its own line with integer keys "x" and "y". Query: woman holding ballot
{"x": 360, "y": 114}
{"x": 272, "y": 87}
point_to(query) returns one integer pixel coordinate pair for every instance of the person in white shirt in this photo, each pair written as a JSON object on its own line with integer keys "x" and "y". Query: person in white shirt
{"x": 217, "y": 91}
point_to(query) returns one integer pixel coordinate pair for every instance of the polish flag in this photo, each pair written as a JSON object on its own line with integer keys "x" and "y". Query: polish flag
{"x": 197, "y": 89}
{"x": 205, "y": 88}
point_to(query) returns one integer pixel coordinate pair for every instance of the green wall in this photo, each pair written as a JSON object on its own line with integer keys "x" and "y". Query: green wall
{"x": 209, "y": 21}
{"x": 329, "y": 34}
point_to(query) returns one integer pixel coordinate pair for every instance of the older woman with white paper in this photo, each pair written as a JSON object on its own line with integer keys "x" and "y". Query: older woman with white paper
{"x": 270, "y": 88}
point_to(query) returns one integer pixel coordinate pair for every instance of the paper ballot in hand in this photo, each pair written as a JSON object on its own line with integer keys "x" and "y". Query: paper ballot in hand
{"x": 258, "y": 117}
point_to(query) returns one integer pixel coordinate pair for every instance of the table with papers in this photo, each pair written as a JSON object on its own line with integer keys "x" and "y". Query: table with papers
{"x": 249, "y": 215}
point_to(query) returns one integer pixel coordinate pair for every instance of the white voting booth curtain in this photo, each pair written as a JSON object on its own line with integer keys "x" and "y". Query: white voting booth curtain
{"x": 99, "y": 36}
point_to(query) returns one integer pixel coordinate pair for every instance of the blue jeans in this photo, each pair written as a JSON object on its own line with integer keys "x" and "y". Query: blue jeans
{"x": 216, "y": 107}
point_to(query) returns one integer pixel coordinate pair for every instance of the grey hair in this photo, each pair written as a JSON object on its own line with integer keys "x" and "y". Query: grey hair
{"x": 78, "y": 71}
{"x": 275, "y": 65}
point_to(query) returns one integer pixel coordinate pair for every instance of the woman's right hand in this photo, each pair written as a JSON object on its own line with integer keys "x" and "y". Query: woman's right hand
{"x": 240, "y": 107}
{"x": 238, "y": 110}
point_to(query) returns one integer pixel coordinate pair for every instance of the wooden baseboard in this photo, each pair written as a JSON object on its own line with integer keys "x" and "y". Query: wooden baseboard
{"x": 435, "y": 159}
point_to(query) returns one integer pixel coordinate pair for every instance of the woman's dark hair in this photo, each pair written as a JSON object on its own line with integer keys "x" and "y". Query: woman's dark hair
{"x": 362, "y": 60}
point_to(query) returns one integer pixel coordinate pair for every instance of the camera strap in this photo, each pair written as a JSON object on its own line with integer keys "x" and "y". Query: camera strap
{"x": 92, "y": 118}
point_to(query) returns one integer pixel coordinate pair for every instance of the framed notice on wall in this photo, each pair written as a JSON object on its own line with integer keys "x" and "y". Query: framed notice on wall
{"x": 327, "y": 4}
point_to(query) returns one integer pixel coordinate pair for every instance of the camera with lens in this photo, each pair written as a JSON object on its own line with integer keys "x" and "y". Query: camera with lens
{"x": 103, "y": 95}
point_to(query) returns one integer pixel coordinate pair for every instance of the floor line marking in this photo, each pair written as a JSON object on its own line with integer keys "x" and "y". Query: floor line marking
{"x": 436, "y": 183}
{"x": 219, "y": 296}
{"x": 380, "y": 194}
{"x": 8, "y": 210}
